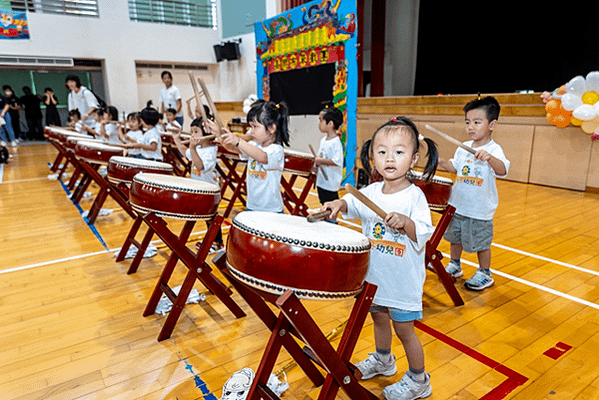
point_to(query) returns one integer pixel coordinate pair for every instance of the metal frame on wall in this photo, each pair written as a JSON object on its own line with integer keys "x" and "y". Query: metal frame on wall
{"x": 316, "y": 33}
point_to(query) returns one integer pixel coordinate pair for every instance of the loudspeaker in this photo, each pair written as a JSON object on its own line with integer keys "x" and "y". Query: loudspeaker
{"x": 230, "y": 51}
{"x": 218, "y": 52}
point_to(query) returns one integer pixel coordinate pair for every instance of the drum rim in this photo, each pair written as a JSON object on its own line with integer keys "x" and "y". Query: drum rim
{"x": 157, "y": 165}
{"x": 308, "y": 244}
{"x": 298, "y": 153}
{"x": 98, "y": 146}
{"x": 166, "y": 214}
{"x": 277, "y": 289}
{"x": 436, "y": 179}
{"x": 139, "y": 178}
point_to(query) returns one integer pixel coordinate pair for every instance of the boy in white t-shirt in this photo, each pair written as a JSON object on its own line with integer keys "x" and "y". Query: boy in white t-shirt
{"x": 474, "y": 193}
{"x": 151, "y": 143}
{"x": 330, "y": 155}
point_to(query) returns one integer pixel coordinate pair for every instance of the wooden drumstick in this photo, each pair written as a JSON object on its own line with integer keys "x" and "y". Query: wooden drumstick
{"x": 324, "y": 173}
{"x": 319, "y": 216}
{"x": 451, "y": 139}
{"x": 365, "y": 200}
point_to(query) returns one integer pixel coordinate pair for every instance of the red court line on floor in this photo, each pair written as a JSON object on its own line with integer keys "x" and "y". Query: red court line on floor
{"x": 513, "y": 380}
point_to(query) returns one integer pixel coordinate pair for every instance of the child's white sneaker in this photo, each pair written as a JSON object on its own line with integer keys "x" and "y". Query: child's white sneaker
{"x": 454, "y": 269}
{"x": 372, "y": 367}
{"x": 408, "y": 389}
{"x": 479, "y": 281}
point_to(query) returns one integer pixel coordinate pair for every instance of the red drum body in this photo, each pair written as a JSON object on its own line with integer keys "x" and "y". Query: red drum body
{"x": 174, "y": 196}
{"x": 275, "y": 252}
{"x": 123, "y": 169}
{"x": 97, "y": 153}
{"x": 298, "y": 163}
{"x": 437, "y": 190}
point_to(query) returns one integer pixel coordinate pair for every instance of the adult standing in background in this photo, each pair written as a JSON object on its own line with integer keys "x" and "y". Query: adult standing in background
{"x": 33, "y": 114}
{"x": 82, "y": 99}
{"x": 50, "y": 100}
{"x": 170, "y": 97}
{"x": 14, "y": 105}
{"x": 6, "y": 132}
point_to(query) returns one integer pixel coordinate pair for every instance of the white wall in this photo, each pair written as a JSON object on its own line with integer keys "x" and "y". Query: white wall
{"x": 118, "y": 42}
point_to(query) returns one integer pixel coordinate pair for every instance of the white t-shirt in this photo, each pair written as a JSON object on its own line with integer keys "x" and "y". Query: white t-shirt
{"x": 333, "y": 150}
{"x": 113, "y": 134}
{"x": 83, "y": 101}
{"x": 138, "y": 137}
{"x": 79, "y": 127}
{"x": 396, "y": 262}
{"x": 474, "y": 193}
{"x": 171, "y": 125}
{"x": 169, "y": 98}
{"x": 209, "y": 157}
{"x": 264, "y": 180}
{"x": 152, "y": 136}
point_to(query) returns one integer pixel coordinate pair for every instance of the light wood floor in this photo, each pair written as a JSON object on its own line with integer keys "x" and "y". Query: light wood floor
{"x": 72, "y": 325}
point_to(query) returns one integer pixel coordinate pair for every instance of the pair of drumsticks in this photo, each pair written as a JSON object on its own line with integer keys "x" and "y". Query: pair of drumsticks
{"x": 369, "y": 203}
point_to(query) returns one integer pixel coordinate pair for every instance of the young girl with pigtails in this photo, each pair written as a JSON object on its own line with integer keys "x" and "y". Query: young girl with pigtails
{"x": 397, "y": 254}
{"x": 264, "y": 153}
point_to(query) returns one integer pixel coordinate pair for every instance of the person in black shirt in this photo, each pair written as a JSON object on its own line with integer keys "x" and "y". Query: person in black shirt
{"x": 33, "y": 114}
{"x": 50, "y": 100}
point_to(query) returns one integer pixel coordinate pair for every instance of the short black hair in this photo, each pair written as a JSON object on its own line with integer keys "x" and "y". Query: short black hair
{"x": 73, "y": 78}
{"x": 150, "y": 116}
{"x": 48, "y": 89}
{"x": 166, "y": 73}
{"x": 330, "y": 113}
{"x": 75, "y": 112}
{"x": 171, "y": 110}
{"x": 489, "y": 104}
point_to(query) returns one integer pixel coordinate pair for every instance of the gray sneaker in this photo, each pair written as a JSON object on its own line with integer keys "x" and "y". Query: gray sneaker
{"x": 408, "y": 389}
{"x": 479, "y": 281}
{"x": 454, "y": 269}
{"x": 372, "y": 367}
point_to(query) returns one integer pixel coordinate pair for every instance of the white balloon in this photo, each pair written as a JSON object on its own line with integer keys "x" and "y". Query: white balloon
{"x": 576, "y": 85}
{"x": 592, "y": 81}
{"x": 585, "y": 112}
{"x": 596, "y": 108}
{"x": 571, "y": 101}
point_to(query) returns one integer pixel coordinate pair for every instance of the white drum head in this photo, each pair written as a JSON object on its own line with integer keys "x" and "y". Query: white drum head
{"x": 177, "y": 183}
{"x": 297, "y": 230}
{"x": 138, "y": 162}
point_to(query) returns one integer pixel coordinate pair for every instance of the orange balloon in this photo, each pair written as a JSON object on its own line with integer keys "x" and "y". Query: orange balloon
{"x": 561, "y": 90}
{"x": 559, "y": 121}
{"x": 553, "y": 107}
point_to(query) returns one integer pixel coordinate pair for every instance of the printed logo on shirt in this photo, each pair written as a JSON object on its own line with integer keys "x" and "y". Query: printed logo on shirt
{"x": 466, "y": 170}
{"x": 378, "y": 230}
{"x": 252, "y": 173}
{"x": 387, "y": 247}
{"x": 470, "y": 180}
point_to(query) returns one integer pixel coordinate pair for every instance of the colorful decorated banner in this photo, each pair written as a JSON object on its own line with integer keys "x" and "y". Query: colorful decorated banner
{"x": 317, "y": 33}
{"x": 13, "y": 25}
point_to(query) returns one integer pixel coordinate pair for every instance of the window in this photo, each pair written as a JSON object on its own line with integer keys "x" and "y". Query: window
{"x": 199, "y": 13}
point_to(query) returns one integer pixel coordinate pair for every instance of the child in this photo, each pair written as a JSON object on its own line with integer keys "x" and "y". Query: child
{"x": 108, "y": 129}
{"x": 170, "y": 116}
{"x": 133, "y": 135}
{"x": 264, "y": 153}
{"x": 397, "y": 255}
{"x": 75, "y": 121}
{"x": 94, "y": 129}
{"x": 52, "y": 116}
{"x": 330, "y": 155}
{"x": 151, "y": 143}
{"x": 203, "y": 156}
{"x": 474, "y": 194}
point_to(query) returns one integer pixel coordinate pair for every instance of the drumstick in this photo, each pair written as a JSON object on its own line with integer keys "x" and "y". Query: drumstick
{"x": 319, "y": 216}
{"x": 365, "y": 200}
{"x": 451, "y": 139}
{"x": 324, "y": 173}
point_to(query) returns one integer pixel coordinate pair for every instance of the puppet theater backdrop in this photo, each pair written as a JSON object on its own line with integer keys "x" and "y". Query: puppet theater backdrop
{"x": 307, "y": 58}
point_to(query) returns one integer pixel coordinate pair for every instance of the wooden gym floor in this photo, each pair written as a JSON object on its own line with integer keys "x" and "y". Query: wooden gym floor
{"x": 72, "y": 324}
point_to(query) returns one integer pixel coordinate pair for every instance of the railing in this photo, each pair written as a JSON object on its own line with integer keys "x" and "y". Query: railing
{"x": 83, "y": 8}
{"x": 198, "y": 13}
